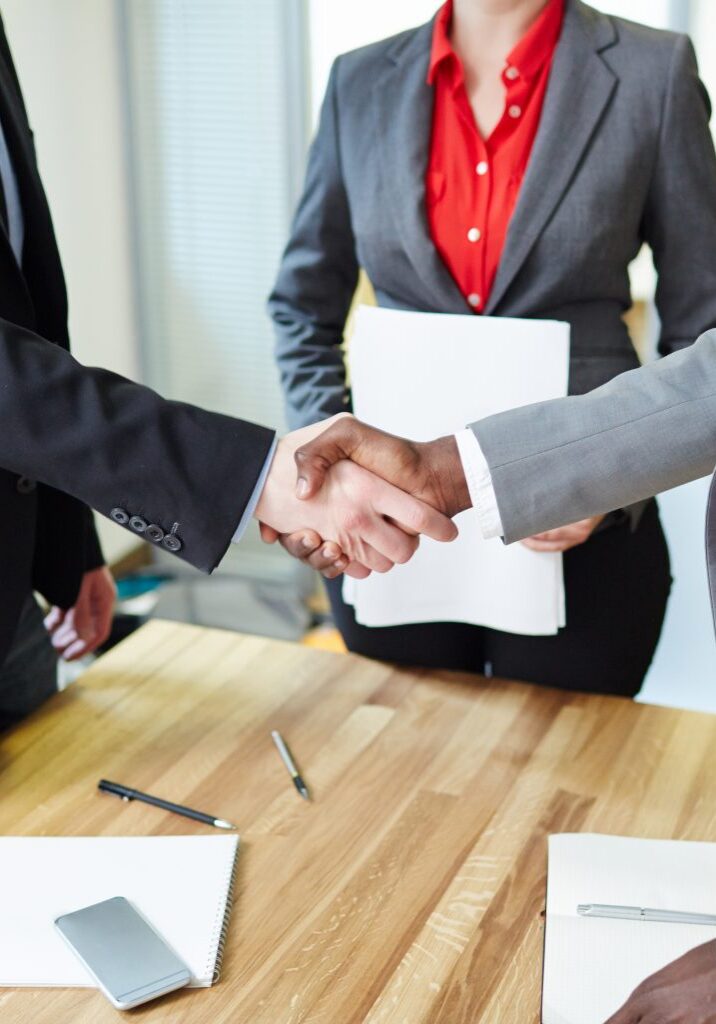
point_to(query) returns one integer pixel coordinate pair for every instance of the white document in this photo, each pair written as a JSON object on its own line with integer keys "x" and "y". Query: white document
{"x": 181, "y": 884}
{"x": 592, "y": 965}
{"x": 424, "y": 375}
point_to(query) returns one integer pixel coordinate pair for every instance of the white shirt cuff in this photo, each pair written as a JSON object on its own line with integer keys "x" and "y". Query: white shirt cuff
{"x": 255, "y": 495}
{"x": 479, "y": 483}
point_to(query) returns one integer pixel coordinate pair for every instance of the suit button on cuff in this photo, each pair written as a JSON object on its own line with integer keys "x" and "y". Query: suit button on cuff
{"x": 154, "y": 533}
{"x": 118, "y": 515}
{"x": 138, "y": 524}
{"x": 172, "y": 543}
{"x": 25, "y": 486}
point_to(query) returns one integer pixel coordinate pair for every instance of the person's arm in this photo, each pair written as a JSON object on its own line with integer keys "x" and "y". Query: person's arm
{"x": 560, "y": 461}
{"x": 316, "y": 282}
{"x": 644, "y": 432}
{"x": 121, "y": 448}
{"x": 175, "y": 474}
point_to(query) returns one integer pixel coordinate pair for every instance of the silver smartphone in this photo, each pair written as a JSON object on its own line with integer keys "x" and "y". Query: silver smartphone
{"x": 130, "y": 962}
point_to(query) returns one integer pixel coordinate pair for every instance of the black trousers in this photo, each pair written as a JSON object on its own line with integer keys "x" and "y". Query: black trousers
{"x": 617, "y": 586}
{"x": 28, "y": 676}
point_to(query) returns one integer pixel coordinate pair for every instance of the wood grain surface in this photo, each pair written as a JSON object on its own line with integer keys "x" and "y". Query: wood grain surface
{"x": 411, "y": 890}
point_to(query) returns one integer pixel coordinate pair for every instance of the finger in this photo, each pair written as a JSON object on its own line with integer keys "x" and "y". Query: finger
{"x": 79, "y": 624}
{"x": 68, "y": 642}
{"x": 76, "y": 650}
{"x": 357, "y": 571}
{"x": 329, "y": 559}
{"x": 375, "y": 560}
{"x": 308, "y": 547}
{"x": 54, "y": 618}
{"x": 543, "y": 546}
{"x": 331, "y": 572}
{"x": 302, "y": 543}
{"x": 64, "y": 635}
{"x": 411, "y": 514}
{"x": 268, "y": 534}
{"x": 392, "y": 543}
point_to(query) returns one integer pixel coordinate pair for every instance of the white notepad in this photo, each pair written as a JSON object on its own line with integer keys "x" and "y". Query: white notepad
{"x": 182, "y": 885}
{"x": 423, "y": 375}
{"x": 592, "y": 965}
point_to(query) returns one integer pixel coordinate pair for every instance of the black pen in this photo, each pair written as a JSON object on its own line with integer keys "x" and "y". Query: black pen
{"x": 133, "y": 794}
{"x": 290, "y": 764}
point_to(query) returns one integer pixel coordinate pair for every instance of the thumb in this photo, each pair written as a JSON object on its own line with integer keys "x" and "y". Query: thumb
{"x": 315, "y": 458}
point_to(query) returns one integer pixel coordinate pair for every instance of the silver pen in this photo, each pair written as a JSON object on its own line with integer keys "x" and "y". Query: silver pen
{"x": 644, "y": 914}
{"x": 288, "y": 760}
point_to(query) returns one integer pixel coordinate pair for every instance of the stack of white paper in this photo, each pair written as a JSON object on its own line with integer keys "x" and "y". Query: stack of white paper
{"x": 423, "y": 375}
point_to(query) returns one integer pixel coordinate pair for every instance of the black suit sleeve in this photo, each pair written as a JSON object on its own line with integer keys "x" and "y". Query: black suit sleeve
{"x": 114, "y": 444}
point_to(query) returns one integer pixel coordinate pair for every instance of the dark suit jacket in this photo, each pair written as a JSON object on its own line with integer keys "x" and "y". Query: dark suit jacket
{"x": 72, "y": 437}
{"x": 623, "y": 155}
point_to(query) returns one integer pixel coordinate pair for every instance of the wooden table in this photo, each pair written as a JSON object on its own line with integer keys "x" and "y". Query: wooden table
{"x": 411, "y": 890}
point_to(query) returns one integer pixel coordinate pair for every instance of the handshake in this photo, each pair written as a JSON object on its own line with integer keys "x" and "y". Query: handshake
{"x": 345, "y": 497}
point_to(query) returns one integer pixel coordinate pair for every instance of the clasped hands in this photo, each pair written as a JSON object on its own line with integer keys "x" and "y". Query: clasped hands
{"x": 346, "y": 497}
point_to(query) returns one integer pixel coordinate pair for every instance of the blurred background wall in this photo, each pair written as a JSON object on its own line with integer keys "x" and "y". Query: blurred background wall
{"x": 172, "y": 136}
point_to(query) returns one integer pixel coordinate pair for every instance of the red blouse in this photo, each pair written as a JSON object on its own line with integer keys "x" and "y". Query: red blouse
{"x": 472, "y": 183}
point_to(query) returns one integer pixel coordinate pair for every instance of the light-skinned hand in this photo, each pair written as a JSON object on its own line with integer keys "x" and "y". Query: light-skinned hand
{"x": 565, "y": 537}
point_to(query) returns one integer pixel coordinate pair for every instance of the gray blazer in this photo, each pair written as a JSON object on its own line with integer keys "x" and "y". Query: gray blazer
{"x": 643, "y": 433}
{"x": 623, "y": 155}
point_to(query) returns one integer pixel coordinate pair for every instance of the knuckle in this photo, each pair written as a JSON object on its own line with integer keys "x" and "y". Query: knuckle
{"x": 354, "y": 520}
{"x": 417, "y": 518}
{"x": 406, "y": 550}
{"x": 294, "y": 544}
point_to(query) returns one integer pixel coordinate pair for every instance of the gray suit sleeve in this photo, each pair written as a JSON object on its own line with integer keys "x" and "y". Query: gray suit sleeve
{"x": 316, "y": 282}
{"x": 680, "y": 215}
{"x": 644, "y": 432}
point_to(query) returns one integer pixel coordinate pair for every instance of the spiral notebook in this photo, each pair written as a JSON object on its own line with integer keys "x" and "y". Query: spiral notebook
{"x": 591, "y": 965}
{"x": 183, "y": 885}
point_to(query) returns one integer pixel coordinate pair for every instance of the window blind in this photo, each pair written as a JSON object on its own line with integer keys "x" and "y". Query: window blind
{"x": 217, "y": 115}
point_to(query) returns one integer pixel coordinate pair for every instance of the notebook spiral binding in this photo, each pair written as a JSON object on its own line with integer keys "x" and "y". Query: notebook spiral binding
{"x": 224, "y": 927}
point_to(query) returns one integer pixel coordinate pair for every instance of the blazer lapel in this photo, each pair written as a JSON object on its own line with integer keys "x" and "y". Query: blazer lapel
{"x": 579, "y": 90}
{"x": 25, "y": 171}
{"x": 403, "y": 104}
